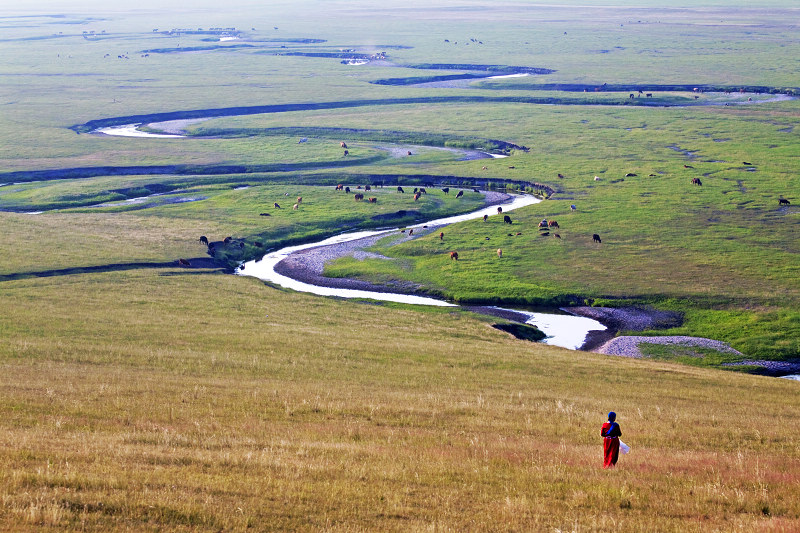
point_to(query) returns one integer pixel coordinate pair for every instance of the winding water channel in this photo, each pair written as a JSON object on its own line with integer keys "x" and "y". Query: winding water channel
{"x": 562, "y": 330}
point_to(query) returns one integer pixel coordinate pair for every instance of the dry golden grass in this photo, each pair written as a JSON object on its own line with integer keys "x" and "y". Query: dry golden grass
{"x": 235, "y": 406}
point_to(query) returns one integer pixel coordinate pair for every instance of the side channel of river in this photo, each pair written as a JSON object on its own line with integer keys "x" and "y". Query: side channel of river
{"x": 562, "y": 330}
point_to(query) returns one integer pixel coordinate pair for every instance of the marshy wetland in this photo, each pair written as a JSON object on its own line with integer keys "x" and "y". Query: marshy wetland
{"x": 146, "y": 388}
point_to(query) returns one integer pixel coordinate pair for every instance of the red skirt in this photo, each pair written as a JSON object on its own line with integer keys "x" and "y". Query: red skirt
{"x": 610, "y": 451}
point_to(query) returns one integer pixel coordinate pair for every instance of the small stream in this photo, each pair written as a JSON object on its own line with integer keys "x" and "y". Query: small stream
{"x": 562, "y": 330}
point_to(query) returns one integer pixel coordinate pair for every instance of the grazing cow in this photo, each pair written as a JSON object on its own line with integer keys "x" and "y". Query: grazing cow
{"x": 264, "y": 215}
{"x": 561, "y": 175}
{"x": 631, "y": 96}
{"x": 446, "y": 190}
{"x": 649, "y": 95}
{"x": 203, "y": 240}
{"x": 409, "y": 152}
{"x": 696, "y": 181}
{"x": 543, "y": 224}
{"x": 596, "y": 238}
{"x": 359, "y": 197}
{"x": 184, "y": 263}
{"x": 277, "y": 206}
{"x": 499, "y": 252}
{"x": 346, "y": 153}
{"x": 411, "y": 231}
{"x": 475, "y": 189}
{"x": 295, "y": 206}
{"x": 372, "y": 199}
{"x": 552, "y": 224}
{"x": 784, "y": 201}
{"x": 347, "y": 189}
{"x": 343, "y": 144}
{"x": 299, "y": 199}
{"x": 485, "y": 218}
{"x": 400, "y": 189}
{"x": 416, "y": 190}
{"x": 696, "y": 97}
{"x": 507, "y": 219}
{"x": 416, "y": 197}
{"x": 227, "y": 240}
{"x": 423, "y": 191}
{"x": 367, "y": 188}
{"x": 573, "y": 208}
{"x": 512, "y": 167}
{"x": 556, "y": 235}
{"x": 499, "y": 209}
{"x": 597, "y": 178}
{"x": 460, "y": 194}
{"x": 339, "y": 187}
{"x": 454, "y": 256}
{"x": 485, "y": 168}
{"x": 441, "y": 236}
{"x": 358, "y": 187}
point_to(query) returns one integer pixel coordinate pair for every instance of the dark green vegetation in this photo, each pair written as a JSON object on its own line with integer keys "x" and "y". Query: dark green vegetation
{"x": 139, "y": 394}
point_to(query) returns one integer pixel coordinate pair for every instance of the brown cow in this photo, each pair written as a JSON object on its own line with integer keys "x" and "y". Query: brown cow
{"x": 343, "y": 144}
{"x": 552, "y": 224}
{"x": 454, "y": 256}
{"x": 416, "y": 196}
{"x": 696, "y": 181}
{"x": 373, "y": 200}
{"x": 339, "y": 187}
{"x": 556, "y": 235}
{"x": 441, "y": 236}
{"x": 299, "y": 199}
{"x": 359, "y": 197}
{"x": 485, "y": 218}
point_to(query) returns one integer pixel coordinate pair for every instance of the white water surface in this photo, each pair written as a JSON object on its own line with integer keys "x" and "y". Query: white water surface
{"x": 131, "y": 130}
{"x": 564, "y": 330}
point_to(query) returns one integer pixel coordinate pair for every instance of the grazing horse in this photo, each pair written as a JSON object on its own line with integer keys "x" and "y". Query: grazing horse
{"x": 507, "y": 219}
{"x": 696, "y": 181}
{"x": 446, "y": 190}
{"x": 454, "y": 256}
{"x": 184, "y": 263}
{"x": 552, "y": 224}
{"x": 499, "y": 252}
{"x": 343, "y": 144}
{"x": 784, "y": 201}
{"x": 441, "y": 236}
{"x": 372, "y": 200}
{"x": 203, "y": 240}
{"x": 596, "y": 238}
{"x": 400, "y": 189}
{"x": 460, "y": 194}
{"x": 485, "y": 218}
{"x": 277, "y": 206}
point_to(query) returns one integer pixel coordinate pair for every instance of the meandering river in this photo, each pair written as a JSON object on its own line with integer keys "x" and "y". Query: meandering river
{"x": 562, "y": 330}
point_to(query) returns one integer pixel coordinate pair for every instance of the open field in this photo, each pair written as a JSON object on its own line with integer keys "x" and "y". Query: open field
{"x": 139, "y": 395}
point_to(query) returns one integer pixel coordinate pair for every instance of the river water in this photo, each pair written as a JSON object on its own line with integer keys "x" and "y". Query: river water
{"x": 562, "y": 330}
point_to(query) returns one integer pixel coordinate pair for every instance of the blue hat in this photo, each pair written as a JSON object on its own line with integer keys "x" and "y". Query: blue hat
{"x": 612, "y": 416}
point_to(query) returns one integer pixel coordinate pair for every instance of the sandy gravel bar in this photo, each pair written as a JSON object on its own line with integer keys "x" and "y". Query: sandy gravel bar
{"x": 628, "y": 346}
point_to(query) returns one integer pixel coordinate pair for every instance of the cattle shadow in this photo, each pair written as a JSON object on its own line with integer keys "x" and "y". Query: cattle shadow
{"x": 194, "y": 268}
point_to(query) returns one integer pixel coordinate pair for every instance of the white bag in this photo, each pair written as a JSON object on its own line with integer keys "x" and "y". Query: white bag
{"x": 624, "y": 448}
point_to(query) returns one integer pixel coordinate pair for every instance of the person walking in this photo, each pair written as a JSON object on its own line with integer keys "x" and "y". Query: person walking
{"x": 611, "y": 434}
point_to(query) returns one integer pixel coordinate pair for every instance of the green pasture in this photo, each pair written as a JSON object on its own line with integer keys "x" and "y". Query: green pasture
{"x": 141, "y": 395}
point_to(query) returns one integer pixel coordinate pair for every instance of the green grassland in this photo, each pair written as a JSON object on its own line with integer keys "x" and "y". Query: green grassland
{"x": 137, "y": 395}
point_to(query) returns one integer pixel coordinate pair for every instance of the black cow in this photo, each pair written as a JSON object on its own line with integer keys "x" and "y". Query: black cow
{"x": 507, "y": 219}
{"x": 596, "y": 238}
